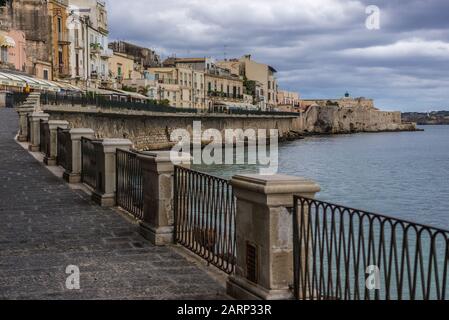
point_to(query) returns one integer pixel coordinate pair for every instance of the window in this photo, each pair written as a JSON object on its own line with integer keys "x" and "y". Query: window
{"x": 59, "y": 25}
{"x": 45, "y": 74}
{"x": 77, "y": 64}
{"x": 4, "y": 54}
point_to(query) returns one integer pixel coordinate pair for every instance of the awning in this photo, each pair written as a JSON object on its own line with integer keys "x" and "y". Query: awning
{"x": 21, "y": 81}
{"x": 133, "y": 95}
{"x": 236, "y": 105}
{"x": 6, "y": 41}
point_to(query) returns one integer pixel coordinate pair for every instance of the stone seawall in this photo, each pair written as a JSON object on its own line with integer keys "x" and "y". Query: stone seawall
{"x": 151, "y": 131}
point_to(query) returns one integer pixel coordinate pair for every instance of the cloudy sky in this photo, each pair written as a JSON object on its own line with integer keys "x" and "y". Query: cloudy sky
{"x": 321, "y": 48}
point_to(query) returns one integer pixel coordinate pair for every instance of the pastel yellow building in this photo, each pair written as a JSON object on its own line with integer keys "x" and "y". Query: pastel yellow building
{"x": 263, "y": 74}
{"x": 58, "y": 11}
{"x": 222, "y": 88}
{"x": 121, "y": 67}
{"x": 288, "y": 98}
{"x": 182, "y": 86}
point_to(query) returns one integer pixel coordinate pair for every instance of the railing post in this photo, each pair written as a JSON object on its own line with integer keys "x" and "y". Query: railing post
{"x": 158, "y": 194}
{"x": 23, "y": 112}
{"x": 264, "y": 232}
{"x": 35, "y": 138}
{"x": 106, "y": 155}
{"x": 53, "y": 125}
{"x": 73, "y": 175}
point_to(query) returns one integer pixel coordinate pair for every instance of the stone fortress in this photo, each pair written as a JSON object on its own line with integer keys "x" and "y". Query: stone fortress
{"x": 350, "y": 115}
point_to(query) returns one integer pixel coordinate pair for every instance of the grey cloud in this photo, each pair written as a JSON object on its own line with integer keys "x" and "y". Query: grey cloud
{"x": 306, "y": 42}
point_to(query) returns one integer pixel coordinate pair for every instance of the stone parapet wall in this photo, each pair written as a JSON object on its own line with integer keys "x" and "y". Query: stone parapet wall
{"x": 151, "y": 130}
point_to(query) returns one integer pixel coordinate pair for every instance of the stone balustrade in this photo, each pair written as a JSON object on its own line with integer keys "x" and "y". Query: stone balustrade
{"x": 52, "y": 143}
{"x": 264, "y": 224}
{"x": 264, "y": 233}
{"x": 73, "y": 173}
{"x": 105, "y": 152}
{"x": 158, "y": 170}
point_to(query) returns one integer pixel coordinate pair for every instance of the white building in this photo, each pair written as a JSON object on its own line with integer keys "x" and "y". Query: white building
{"x": 89, "y": 43}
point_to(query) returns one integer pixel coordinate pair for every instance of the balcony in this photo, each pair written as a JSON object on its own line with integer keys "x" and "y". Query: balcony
{"x": 225, "y": 96}
{"x": 64, "y": 71}
{"x": 106, "y": 53}
{"x": 96, "y": 48}
{"x": 63, "y": 39}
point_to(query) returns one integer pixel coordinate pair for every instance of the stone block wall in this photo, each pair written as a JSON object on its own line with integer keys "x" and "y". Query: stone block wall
{"x": 151, "y": 131}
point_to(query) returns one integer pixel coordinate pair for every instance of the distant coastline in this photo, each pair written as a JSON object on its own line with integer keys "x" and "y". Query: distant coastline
{"x": 424, "y": 118}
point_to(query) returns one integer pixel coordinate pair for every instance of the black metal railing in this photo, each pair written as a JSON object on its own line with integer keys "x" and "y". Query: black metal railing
{"x": 263, "y": 113}
{"x": 44, "y": 138}
{"x": 129, "y": 180}
{"x": 342, "y": 253}
{"x": 15, "y": 99}
{"x": 89, "y": 170}
{"x": 205, "y": 209}
{"x": 110, "y": 102}
{"x": 28, "y": 128}
{"x": 64, "y": 149}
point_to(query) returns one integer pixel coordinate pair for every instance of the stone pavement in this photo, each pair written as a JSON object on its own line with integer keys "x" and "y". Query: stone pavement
{"x": 46, "y": 226}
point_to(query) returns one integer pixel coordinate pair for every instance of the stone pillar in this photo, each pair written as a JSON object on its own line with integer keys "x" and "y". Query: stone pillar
{"x": 53, "y": 125}
{"x": 73, "y": 174}
{"x": 23, "y": 123}
{"x": 35, "y": 119}
{"x": 106, "y": 154}
{"x": 158, "y": 177}
{"x": 264, "y": 231}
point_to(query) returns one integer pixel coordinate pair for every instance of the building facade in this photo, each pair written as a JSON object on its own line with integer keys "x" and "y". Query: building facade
{"x": 33, "y": 19}
{"x": 13, "y": 49}
{"x": 259, "y": 80}
{"x": 89, "y": 52}
{"x": 288, "y": 98}
{"x": 144, "y": 58}
{"x": 182, "y": 86}
{"x": 60, "y": 42}
{"x": 121, "y": 67}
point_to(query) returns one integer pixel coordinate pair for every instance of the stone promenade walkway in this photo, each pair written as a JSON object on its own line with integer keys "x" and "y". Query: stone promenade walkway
{"x": 46, "y": 226}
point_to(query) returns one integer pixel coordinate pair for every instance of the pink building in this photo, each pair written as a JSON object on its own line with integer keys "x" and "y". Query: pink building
{"x": 13, "y": 49}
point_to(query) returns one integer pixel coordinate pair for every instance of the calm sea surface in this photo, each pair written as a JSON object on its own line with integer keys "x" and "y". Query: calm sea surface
{"x": 405, "y": 175}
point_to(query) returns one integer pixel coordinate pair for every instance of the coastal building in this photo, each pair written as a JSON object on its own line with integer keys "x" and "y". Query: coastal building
{"x": 223, "y": 89}
{"x": 60, "y": 43}
{"x": 213, "y": 87}
{"x": 263, "y": 74}
{"x": 121, "y": 67}
{"x": 144, "y": 58}
{"x": 91, "y": 53}
{"x": 181, "y": 85}
{"x": 287, "y": 100}
{"x": 260, "y": 79}
{"x": 33, "y": 19}
{"x": 13, "y": 50}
